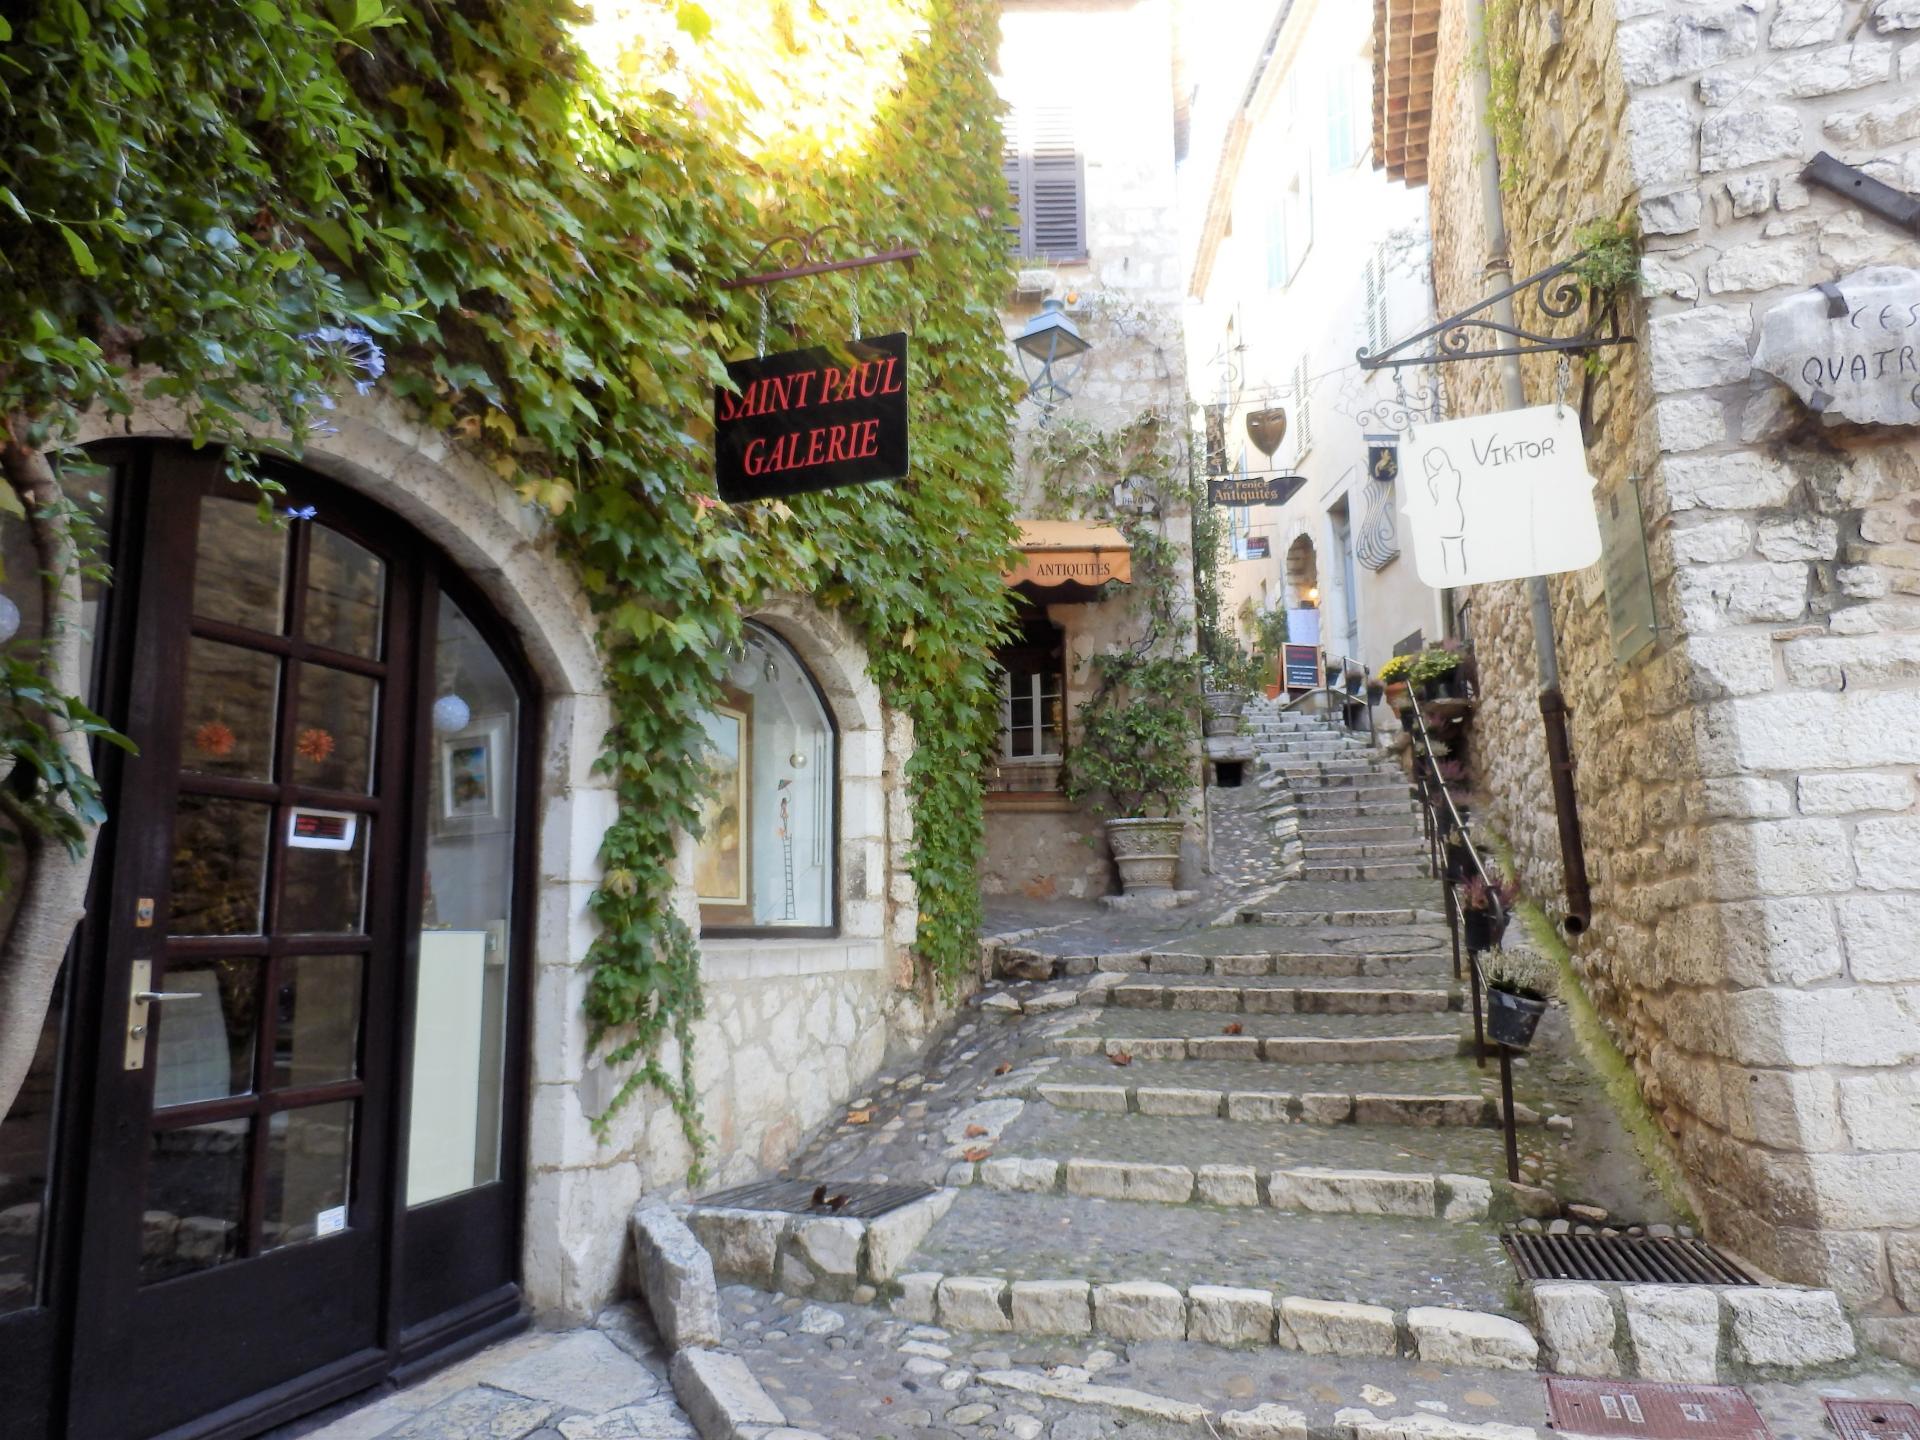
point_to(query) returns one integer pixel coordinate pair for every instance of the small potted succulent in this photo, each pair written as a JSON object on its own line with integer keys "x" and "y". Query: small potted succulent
{"x": 1518, "y": 988}
{"x": 1484, "y": 910}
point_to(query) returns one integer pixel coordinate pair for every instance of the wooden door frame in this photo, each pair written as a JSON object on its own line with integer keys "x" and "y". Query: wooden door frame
{"x": 400, "y": 1353}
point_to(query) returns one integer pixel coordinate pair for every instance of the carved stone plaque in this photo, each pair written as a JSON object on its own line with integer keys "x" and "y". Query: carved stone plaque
{"x": 1851, "y": 348}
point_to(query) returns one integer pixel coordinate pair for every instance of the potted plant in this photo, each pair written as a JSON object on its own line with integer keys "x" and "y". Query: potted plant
{"x": 1459, "y": 860}
{"x": 1393, "y": 679}
{"x": 1135, "y": 758}
{"x": 1432, "y": 672}
{"x": 1484, "y": 910}
{"x": 1518, "y": 989}
{"x": 1230, "y": 681}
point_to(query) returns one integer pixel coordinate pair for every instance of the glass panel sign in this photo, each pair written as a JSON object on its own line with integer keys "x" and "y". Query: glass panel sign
{"x": 1623, "y": 554}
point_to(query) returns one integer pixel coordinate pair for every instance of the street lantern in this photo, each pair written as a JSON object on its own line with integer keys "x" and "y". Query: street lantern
{"x": 1051, "y": 354}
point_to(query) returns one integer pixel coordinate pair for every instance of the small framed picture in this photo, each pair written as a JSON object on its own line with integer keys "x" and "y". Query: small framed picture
{"x": 475, "y": 771}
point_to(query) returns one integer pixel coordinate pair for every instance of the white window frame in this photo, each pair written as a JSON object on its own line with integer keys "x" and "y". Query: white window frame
{"x": 1044, "y": 687}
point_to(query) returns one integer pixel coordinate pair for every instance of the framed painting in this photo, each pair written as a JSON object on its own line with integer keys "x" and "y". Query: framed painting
{"x": 722, "y": 873}
{"x": 474, "y": 772}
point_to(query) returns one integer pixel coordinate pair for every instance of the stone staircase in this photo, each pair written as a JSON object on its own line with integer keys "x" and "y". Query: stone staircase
{"x": 1266, "y": 1133}
{"x": 1357, "y": 819}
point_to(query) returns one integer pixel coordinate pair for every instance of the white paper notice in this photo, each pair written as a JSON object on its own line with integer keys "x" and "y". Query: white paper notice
{"x": 330, "y": 1221}
{"x": 1499, "y": 497}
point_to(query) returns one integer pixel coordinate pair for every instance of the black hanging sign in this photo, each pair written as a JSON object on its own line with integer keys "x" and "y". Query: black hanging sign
{"x": 1383, "y": 458}
{"x": 812, "y": 419}
{"x": 1254, "y": 490}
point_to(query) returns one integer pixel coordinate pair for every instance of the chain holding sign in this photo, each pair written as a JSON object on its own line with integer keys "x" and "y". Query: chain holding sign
{"x": 1499, "y": 497}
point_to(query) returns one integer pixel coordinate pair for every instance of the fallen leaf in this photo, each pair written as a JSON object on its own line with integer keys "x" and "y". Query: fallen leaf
{"x": 974, "y": 1132}
{"x": 838, "y": 1202}
{"x": 1233, "y": 1029}
{"x": 859, "y": 1117}
{"x": 1120, "y": 1057}
{"x": 1003, "y": 1067}
{"x": 977, "y": 1153}
{"x": 819, "y": 1194}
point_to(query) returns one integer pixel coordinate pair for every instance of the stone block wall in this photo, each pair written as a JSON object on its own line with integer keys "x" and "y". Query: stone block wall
{"x": 1748, "y": 788}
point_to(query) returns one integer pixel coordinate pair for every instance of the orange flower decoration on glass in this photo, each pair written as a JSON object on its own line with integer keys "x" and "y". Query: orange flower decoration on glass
{"x": 313, "y": 744}
{"x": 215, "y": 739}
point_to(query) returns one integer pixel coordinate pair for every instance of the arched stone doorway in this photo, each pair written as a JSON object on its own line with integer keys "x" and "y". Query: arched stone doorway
{"x": 1303, "y": 573}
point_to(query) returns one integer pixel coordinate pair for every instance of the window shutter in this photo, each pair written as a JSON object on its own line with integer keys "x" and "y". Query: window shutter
{"x": 1013, "y": 166}
{"x": 1376, "y": 304}
{"x": 1303, "y": 407}
{"x": 1056, "y": 190}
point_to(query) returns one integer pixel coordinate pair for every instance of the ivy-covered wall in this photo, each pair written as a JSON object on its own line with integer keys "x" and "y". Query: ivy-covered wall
{"x": 240, "y": 210}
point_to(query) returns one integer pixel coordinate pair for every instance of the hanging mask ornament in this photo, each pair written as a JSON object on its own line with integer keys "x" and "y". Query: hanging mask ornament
{"x": 1266, "y": 429}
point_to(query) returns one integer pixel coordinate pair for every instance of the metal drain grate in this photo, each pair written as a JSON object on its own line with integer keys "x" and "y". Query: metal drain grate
{"x": 1873, "y": 1419}
{"x": 864, "y": 1199}
{"x": 1626, "y": 1259}
{"x": 1653, "y": 1410}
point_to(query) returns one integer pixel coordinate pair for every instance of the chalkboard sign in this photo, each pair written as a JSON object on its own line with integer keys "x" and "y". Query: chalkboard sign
{"x": 1302, "y": 666}
{"x": 812, "y": 420}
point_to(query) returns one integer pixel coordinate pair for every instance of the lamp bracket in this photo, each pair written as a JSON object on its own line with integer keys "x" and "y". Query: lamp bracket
{"x": 1559, "y": 294}
{"x": 812, "y": 256}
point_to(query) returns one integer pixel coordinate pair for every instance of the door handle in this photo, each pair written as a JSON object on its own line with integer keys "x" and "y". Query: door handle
{"x": 139, "y": 997}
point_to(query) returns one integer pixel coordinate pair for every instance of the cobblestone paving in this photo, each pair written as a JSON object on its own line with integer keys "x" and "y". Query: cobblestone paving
{"x": 1323, "y": 1257}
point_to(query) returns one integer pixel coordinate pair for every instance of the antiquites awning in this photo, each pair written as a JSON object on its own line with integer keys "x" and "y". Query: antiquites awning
{"x": 1068, "y": 560}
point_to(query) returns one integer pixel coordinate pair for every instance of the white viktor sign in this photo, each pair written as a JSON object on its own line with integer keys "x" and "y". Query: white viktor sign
{"x": 1498, "y": 497}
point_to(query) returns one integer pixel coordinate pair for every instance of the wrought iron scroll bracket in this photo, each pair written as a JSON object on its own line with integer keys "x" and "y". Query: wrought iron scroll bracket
{"x": 1561, "y": 293}
{"x": 811, "y": 253}
{"x": 1472, "y": 334}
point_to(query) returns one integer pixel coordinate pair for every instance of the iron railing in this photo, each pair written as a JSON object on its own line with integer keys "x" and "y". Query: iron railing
{"x": 1444, "y": 824}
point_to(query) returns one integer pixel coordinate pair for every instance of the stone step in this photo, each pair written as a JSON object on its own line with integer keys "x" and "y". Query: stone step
{"x": 1332, "y": 803}
{"x": 1380, "y": 1260}
{"x": 1168, "y": 1132}
{"x": 1167, "y": 1022}
{"x": 1378, "y": 850}
{"x": 1359, "y": 829}
{"x": 1253, "y": 964}
{"x": 1272, "y": 996}
{"x": 1371, "y": 870}
{"x": 1411, "y": 1195}
{"x": 1344, "y": 918}
{"x": 1268, "y": 1050}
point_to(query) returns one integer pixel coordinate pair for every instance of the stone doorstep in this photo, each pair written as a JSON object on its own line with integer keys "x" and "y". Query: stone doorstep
{"x": 1688, "y": 1333}
{"x": 1269, "y": 1106}
{"x": 725, "y": 1402}
{"x": 1311, "y": 1190}
{"x": 825, "y": 1256}
{"x": 1274, "y": 1000}
{"x": 1213, "y": 1314}
{"x": 1273, "y": 1049}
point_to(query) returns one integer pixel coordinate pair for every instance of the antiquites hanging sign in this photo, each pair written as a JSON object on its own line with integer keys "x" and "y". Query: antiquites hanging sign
{"x": 1254, "y": 490}
{"x": 812, "y": 420}
{"x": 1850, "y": 348}
{"x": 1498, "y": 497}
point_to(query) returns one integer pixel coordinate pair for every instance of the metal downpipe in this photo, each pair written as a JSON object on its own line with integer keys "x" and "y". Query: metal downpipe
{"x": 1553, "y": 705}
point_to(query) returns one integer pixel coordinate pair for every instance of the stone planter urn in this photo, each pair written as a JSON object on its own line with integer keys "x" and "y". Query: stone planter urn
{"x": 1223, "y": 711}
{"x": 1147, "y": 852}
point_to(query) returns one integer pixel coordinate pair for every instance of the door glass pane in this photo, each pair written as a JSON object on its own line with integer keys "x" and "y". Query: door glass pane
{"x": 309, "y": 1170}
{"x": 323, "y": 886}
{"x": 317, "y": 1038}
{"x": 230, "y": 698}
{"x": 461, "y": 1012}
{"x": 196, "y": 1185}
{"x": 240, "y": 566}
{"x": 333, "y": 738}
{"x": 26, "y": 1147}
{"x": 204, "y": 1045}
{"x": 345, "y": 587}
{"x": 219, "y": 865}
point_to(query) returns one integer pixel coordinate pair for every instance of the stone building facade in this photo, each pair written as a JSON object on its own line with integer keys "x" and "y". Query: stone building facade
{"x": 1747, "y": 785}
{"x": 1112, "y": 134}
